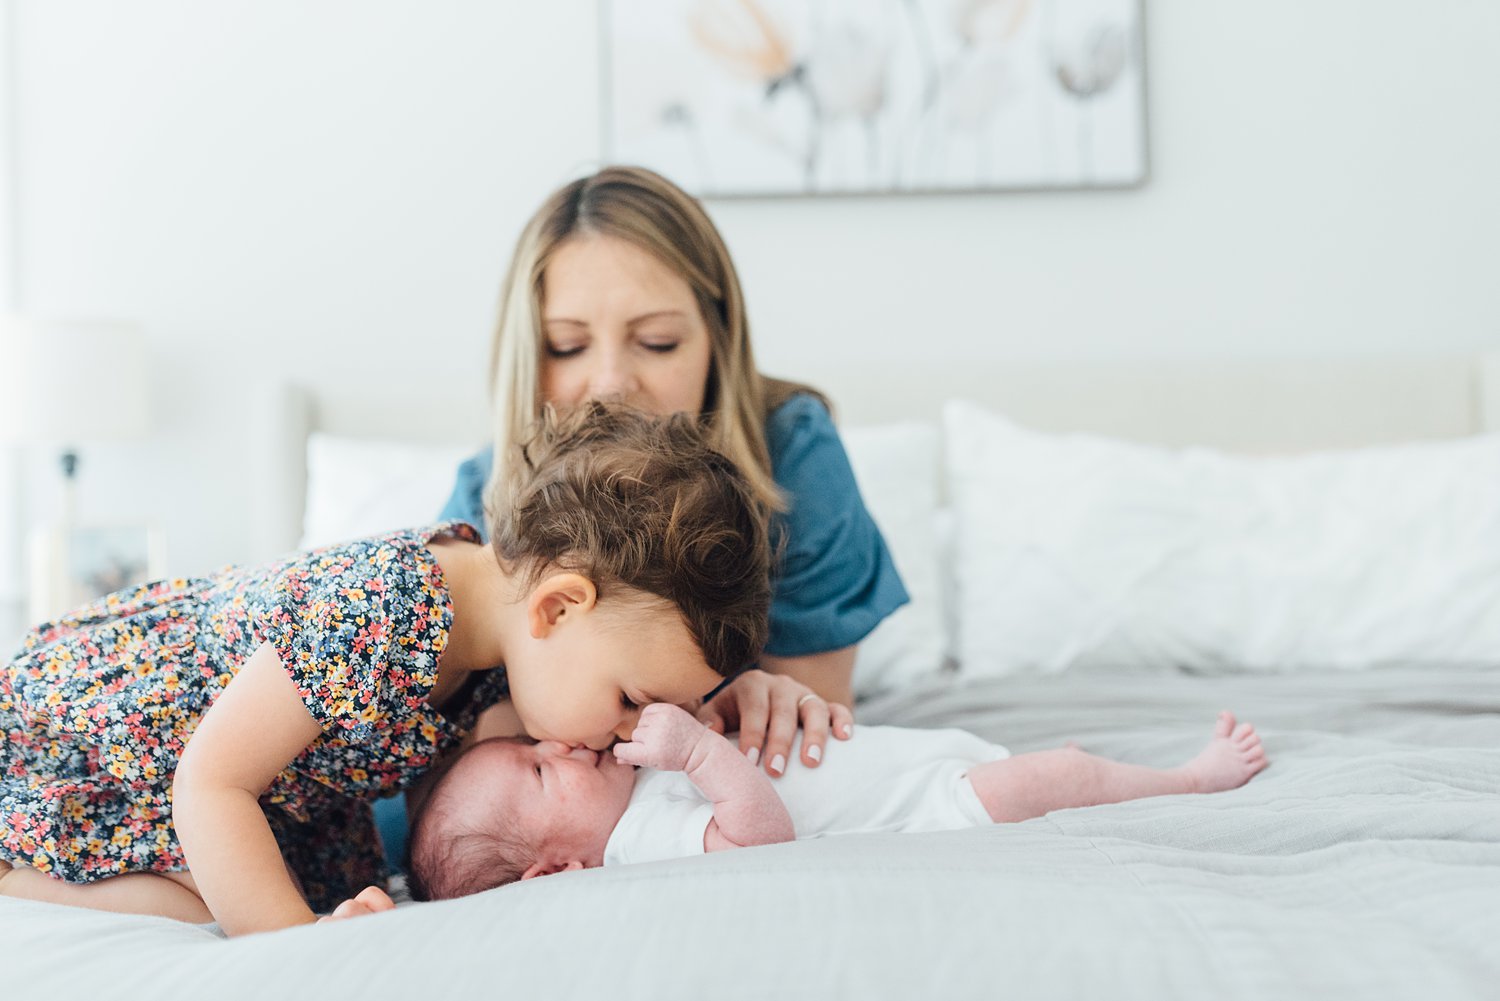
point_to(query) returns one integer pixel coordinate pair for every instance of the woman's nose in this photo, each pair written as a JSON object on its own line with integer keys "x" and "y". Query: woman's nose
{"x": 626, "y": 728}
{"x": 613, "y": 378}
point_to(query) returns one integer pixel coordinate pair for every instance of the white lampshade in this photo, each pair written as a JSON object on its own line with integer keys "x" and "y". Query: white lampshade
{"x": 71, "y": 382}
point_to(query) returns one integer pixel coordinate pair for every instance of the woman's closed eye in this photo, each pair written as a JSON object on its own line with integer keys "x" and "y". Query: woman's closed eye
{"x": 574, "y": 350}
{"x": 627, "y": 704}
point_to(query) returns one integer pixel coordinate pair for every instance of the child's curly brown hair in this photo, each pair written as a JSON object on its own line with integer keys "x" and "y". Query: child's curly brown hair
{"x": 630, "y": 500}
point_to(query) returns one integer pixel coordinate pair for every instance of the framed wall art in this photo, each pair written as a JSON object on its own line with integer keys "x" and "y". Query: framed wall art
{"x": 795, "y": 97}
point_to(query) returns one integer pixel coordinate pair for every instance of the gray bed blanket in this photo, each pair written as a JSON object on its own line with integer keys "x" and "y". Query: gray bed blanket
{"x": 1364, "y": 863}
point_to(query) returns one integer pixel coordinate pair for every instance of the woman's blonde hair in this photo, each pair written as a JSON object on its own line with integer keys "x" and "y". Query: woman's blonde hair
{"x": 650, "y": 212}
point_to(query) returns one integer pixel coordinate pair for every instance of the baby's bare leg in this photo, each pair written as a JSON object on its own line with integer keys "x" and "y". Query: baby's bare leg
{"x": 1030, "y": 785}
{"x": 132, "y": 893}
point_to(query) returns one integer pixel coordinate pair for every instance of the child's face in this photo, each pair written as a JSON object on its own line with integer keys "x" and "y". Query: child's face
{"x": 568, "y": 799}
{"x": 583, "y": 676}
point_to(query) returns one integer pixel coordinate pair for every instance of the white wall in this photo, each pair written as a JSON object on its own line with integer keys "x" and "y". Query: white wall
{"x": 329, "y": 190}
{"x": 12, "y": 562}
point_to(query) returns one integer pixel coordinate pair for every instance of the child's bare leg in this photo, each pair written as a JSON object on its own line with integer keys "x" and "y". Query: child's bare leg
{"x": 132, "y": 893}
{"x": 1030, "y": 785}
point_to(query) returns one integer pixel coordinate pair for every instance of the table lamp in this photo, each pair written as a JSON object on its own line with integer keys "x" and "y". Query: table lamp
{"x": 65, "y": 384}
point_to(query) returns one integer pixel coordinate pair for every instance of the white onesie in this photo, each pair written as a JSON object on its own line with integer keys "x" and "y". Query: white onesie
{"x": 885, "y": 779}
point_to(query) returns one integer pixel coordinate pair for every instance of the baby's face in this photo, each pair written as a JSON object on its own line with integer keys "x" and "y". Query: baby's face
{"x": 567, "y": 799}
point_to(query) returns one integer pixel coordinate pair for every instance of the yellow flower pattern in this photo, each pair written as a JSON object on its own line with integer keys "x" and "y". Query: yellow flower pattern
{"x": 97, "y": 706}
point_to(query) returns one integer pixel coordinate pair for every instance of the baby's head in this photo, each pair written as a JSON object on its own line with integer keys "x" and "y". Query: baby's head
{"x": 634, "y": 530}
{"x": 511, "y": 809}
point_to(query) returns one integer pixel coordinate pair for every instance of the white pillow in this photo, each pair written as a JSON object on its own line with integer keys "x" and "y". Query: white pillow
{"x": 362, "y": 486}
{"x": 358, "y": 486}
{"x": 896, "y": 467}
{"x": 1076, "y": 550}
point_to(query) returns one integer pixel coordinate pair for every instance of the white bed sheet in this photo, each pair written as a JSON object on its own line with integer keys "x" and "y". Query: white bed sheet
{"x": 1364, "y": 863}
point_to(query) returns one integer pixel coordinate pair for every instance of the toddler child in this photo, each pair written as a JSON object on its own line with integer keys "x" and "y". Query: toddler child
{"x": 193, "y": 747}
{"x": 509, "y": 810}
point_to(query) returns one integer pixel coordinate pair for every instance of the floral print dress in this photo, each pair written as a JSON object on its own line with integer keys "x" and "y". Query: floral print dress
{"x": 96, "y": 708}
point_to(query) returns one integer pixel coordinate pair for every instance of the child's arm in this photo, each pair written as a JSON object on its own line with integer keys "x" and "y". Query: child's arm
{"x": 747, "y": 810}
{"x": 370, "y": 900}
{"x": 255, "y": 728}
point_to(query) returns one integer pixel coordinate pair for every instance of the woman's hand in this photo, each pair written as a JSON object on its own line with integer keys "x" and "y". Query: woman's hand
{"x": 766, "y": 709}
{"x": 370, "y": 900}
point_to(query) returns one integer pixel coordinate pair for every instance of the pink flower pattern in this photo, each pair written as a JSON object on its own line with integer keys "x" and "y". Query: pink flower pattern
{"x": 97, "y": 706}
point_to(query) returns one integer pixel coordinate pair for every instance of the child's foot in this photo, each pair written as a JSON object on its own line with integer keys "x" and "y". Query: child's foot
{"x": 1231, "y": 757}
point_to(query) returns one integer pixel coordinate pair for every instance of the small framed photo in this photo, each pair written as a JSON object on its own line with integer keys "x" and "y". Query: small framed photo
{"x": 74, "y": 568}
{"x": 103, "y": 559}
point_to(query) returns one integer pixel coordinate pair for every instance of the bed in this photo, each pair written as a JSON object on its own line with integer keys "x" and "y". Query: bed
{"x": 1365, "y": 862}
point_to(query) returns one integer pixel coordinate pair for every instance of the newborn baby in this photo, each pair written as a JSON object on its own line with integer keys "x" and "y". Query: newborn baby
{"x": 509, "y": 809}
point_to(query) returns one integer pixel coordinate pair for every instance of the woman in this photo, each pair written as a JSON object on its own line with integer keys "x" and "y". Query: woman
{"x": 621, "y": 287}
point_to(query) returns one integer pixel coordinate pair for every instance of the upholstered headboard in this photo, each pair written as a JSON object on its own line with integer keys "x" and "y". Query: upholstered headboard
{"x": 1263, "y": 406}
{"x": 1255, "y": 406}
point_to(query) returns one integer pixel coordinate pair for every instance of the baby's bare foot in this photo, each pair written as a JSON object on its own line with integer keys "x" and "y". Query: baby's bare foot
{"x": 1231, "y": 757}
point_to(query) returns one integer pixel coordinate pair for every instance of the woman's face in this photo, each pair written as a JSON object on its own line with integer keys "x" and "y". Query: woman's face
{"x": 617, "y": 323}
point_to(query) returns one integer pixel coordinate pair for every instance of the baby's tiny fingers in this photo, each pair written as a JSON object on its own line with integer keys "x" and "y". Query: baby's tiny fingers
{"x": 630, "y": 752}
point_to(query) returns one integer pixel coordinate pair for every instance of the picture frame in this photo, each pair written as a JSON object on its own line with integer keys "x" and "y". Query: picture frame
{"x": 70, "y": 568}
{"x": 757, "y": 98}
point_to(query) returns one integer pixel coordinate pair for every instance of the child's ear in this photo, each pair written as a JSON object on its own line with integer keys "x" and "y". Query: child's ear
{"x": 548, "y": 868}
{"x": 556, "y": 597}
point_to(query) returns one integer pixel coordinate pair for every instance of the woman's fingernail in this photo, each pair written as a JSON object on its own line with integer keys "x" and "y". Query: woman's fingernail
{"x": 778, "y": 763}
{"x": 815, "y": 753}
{"x": 753, "y": 754}
{"x": 848, "y": 729}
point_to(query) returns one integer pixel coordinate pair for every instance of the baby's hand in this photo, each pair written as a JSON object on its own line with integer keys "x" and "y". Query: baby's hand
{"x": 370, "y": 900}
{"x": 664, "y": 738}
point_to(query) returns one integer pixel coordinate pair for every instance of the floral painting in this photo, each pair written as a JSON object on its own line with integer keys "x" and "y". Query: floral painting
{"x": 753, "y": 97}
